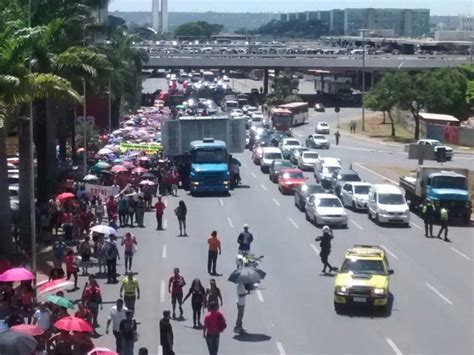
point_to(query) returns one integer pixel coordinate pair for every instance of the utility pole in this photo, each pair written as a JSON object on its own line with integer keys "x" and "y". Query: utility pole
{"x": 363, "y": 77}
{"x": 110, "y": 107}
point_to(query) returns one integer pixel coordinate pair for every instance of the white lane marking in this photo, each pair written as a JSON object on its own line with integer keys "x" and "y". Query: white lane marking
{"x": 280, "y": 347}
{"x": 221, "y": 202}
{"x": 416, "y": 226}
{"x": 253, "y": 174}
{"x": 461, "y": 253}
{"x": 165, "y": 223}
{"x": 244, "y": 165}
{"x": 163, "y": 253}
{"x": 443, "y": 297}
{"x": 393, "y": 346}
{"x": 390, "y": 252}
{"x": 356, "y": 224}
{"x": 230, "y": 222}
{"x": 160, "y": 349}
{"x": 162, "y": 291}
{"x": 276, "y": 202}
{"x": 315, "y": 248}
{"x": 293, "y": 223}
{"x": 376, "y": 173}
{"x": 259, "y": 295}
{"x": 297, "y": 134}
{"x": 264, "y": 187}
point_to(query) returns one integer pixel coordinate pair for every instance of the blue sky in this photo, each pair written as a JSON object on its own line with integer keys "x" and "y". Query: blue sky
{"x": 437, "y": 7}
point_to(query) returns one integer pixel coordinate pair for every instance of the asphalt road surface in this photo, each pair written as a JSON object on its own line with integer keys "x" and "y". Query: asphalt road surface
{"x": 292, "y": 312}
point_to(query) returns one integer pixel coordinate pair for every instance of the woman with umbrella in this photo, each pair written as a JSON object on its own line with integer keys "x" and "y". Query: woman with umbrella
{"x": 198, "y": 300}
{"x": 60, "y": 343}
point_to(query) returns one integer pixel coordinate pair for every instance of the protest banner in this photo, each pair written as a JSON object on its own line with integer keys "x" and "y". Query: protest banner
{"x": 147, "y": 148}
{"x": 104, "y": 192}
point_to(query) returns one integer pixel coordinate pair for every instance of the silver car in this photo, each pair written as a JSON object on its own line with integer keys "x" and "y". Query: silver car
{"x": 326, "y": 209}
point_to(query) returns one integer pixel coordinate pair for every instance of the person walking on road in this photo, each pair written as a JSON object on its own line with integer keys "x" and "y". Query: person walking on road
{"x": 116, "y": 316}
{"x": 213, "y": 294}
{"x": 244, "y": 240}
{"x": 122, "y": 211}
{"x": 444, "y": 217}
{"x": 92, "y": 298}
{"x": 129, "y": 242}
{"x": 85, "y": 250}
{"x": 175, "y": 287}
{"x": 241, "y": 297}
{"x": 181, "y": 211}
{"x": 131, "y": 204}
{"x": 214, "y": 248}
{"x": 428, "y": 212}
{"x": 325, "y": 244}
{"x": 111, "y": 255}
{"x": 198, "y": 300}
{"x": 159, "y": 210}
{"x": 130, "y": 290}
{"x": 214, "y": 325}
{"x": 166, "y": 334}
{"x": 337, "y": 135}
{"x": 128, "y": 331}
{"x": 140, "y": 212}
{"x": 71, "y": 267}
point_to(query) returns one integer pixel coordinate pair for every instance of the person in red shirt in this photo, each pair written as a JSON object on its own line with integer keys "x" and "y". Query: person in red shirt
{"x": 71, "y": 267}
{"x": 92, "y": 298}
{"x": 83, "y": 313}
{"x": 112, "y": 208}
{"x": 214, "y": 324}
{"x": 86, "y": 219}
{"x": 175, "y": 287}
{"x": 160, "y": 209}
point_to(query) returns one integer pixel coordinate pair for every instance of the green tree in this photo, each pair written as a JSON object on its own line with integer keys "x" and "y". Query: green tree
{"x": 198, "y": 29}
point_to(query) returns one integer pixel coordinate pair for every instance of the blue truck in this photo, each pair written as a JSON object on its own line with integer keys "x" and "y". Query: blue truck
{"x": 444, "y": 187}
{"x": 204, "y": 144}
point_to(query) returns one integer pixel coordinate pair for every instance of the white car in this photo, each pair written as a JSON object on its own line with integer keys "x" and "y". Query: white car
{"x": 288, "y": 144}
{"x": 387, "y": 205}
{"x": 355, "y": 195}
{"x": 257, "y": 116}
{"x": 436, "y": 145}
{"x": 322, "y": 128}
{"x": 226, "y": 79}
{"x": 326, "y": 209}
{"x": 317, "y": 141}
{"x": 269, "y": 154}
{"x": 307, "y": 159}
{"x": 237, "y": 112}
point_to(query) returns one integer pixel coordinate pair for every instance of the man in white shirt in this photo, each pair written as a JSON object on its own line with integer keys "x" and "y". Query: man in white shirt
{"x": 41, "y": 318}
{"x": 241, "y": 294}
{"x": 117, "y": 314}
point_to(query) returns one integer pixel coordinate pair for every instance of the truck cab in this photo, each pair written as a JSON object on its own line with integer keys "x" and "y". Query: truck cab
{"x": 209, "y": 166}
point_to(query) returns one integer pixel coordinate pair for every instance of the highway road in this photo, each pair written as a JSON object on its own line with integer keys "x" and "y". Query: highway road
{"x": 292, "y": 313}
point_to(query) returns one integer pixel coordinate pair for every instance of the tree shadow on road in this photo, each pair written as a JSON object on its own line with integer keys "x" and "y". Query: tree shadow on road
{"x": 252, "y": 337}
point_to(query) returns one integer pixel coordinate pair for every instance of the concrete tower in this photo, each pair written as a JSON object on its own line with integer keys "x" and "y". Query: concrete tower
{"x": 164, "y": 15}
{"x": 155, "y": 15}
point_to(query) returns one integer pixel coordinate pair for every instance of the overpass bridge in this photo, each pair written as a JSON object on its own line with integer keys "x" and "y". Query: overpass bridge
{"x": 303, "y": 61}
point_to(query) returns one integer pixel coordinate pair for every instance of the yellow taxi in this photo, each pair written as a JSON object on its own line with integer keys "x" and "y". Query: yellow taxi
{"x": 363, "y": 278}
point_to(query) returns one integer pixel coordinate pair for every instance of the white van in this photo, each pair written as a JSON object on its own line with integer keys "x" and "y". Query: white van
{"x": 324, "y": 170}
{"x": 269, "y": 154}
{"x": 387, "y": 205}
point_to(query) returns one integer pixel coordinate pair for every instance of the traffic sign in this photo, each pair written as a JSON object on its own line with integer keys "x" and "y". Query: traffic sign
{"x": 337, "y": 109}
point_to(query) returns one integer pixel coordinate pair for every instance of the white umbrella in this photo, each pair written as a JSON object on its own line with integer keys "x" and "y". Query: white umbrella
{"x": 104, "y": 151}
{"x": 103, "y": 229}
{"x": 90, "y": 178}
{"x": 117, "y": 132}
{"x": 147, "y": 182}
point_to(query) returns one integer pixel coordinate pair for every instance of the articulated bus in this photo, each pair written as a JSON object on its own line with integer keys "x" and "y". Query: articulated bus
{"x": 299, "y": 111}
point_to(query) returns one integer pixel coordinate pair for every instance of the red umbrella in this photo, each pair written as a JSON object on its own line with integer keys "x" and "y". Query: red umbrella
{"x": 139, "y": 170}
{"x": 101, "y": 351}
{"x": 65, "y": 196}
{"x": 52, "y": 286}
{"x": 73, "y": 324}
{"x": 118, "y": 169}
{"x": 17, "y": 274}
{"x": 28, "y": 329}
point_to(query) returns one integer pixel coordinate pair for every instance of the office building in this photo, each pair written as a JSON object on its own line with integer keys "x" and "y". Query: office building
{"x": 159, "y": 15}
{"x": 336, "y": 21}
{"x": 466, "y": 23}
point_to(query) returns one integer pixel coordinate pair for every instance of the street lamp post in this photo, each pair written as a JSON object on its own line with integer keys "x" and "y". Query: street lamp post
{"x": 363, "y": 78}
{"x": 84, "y": 115}
{"x": 110, "y": 107}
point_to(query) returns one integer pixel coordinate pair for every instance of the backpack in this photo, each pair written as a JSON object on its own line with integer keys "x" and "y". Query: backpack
{"x": 111, "y": 251}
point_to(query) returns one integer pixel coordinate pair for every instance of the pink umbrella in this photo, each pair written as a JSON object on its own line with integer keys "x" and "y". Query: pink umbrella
{"x": 118, "y": 169}
{"x": 139, "y": 170}
{"x": 28, "y": 329}
{"x": 74, "y": 324}
{"x": 144, "y": 159}
{"x": 52, "y": 286}
{"x": 128, "y": 164}
{"x": 17, "y": 274}
{"x": 101, "y": 351}
{"x": 65, "y": 196}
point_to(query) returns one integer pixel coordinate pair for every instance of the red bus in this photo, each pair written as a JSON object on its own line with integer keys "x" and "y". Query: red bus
{"x": 281, "y": 119}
